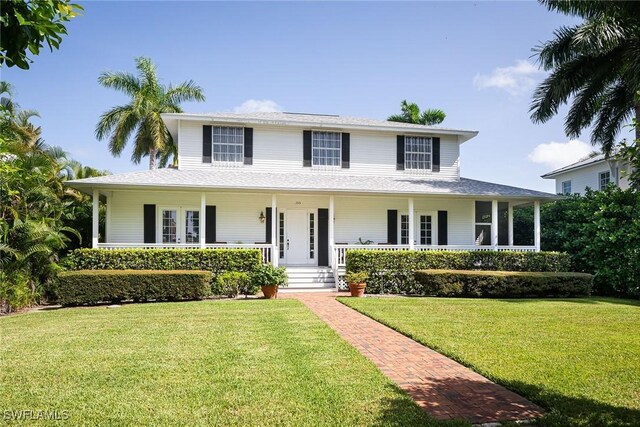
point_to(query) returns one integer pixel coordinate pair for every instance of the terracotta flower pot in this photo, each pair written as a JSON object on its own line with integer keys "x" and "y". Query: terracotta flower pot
{"x": 357, "y": 289}
{"x": 270, "y": 292}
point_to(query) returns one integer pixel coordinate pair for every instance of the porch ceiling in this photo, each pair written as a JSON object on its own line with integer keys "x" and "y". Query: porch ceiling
{"x": 307, "y": 182}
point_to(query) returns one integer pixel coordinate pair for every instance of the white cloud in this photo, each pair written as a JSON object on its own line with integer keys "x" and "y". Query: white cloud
{"x": 257, "y": 106}
{"x": 516, "y": 79}
{"x": 559, "y": 154}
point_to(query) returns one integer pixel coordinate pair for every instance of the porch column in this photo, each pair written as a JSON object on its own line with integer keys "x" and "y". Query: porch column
{"x": 331, "y": 229}
{"x": 203, "y": 220}
{"x": 510, "y": 224}
{"x": 536, "y": 225}
{"x": 411, "y": 230}
{"x": 274, "y": 232}
{"x": 95, "y": 219}
{"x": 494, "y": 223}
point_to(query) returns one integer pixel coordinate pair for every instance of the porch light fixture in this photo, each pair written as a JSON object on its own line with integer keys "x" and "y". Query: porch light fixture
{"x": 261, "y": 217}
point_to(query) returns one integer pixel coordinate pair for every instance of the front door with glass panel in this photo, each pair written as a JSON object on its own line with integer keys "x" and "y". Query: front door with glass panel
{"x": 424, "y": 229}
{"x": 299, "y": 237}
{"x": 179, "y": 225}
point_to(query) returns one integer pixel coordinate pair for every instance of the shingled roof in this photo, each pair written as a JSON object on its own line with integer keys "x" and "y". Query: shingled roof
{"x": 312, "y": 182}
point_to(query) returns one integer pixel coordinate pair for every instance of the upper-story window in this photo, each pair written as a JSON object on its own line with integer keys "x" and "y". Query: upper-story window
{"x": 566, "y": 187}
{"x": 228, "y": 144}
{"x": 417, "y": 152}
{"x": 605, "y": 179}
{"x": 326, "y": 148}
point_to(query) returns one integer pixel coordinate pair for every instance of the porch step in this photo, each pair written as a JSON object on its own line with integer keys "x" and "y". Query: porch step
{"x": 310, "y": 278}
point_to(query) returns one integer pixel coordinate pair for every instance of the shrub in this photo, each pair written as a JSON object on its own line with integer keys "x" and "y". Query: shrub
{"x": 95, "y": 286}
{"x": 233, "y": 283}
{"x": 217, "y": 261}
{"x": 499, "y": 284}
{"x": 356, "y": 277}
{"x": 268, "y": 275}
{"x": 15, "y": 292}
{"x": 393, "y": 271}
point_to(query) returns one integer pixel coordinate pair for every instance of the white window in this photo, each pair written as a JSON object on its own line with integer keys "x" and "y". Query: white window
{"x": 426, "y": 230}
{"x": 312, "y": 235}
{"x": 404, "y": 229}
{"x": 566, "y": 187}
{"x": 169, "y": 226}
{"x": 179, "y": 225}
{"x": 605, "y": 179}
{"x": 326, "y": 148}
{"x": 483, "y": 223}
{"x": 227, "y": 144}
{"x": 191, "y": 226}
{"x": 417, "y": 152}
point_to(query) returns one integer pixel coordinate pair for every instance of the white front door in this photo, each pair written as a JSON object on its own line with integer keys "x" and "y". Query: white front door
{"x": 297, "y": 237}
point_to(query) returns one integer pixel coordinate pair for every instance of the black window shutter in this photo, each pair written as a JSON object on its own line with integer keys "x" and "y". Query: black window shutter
{"x": 323, "y": 237}
{"x": 443, "y": 228}
{"x": 346, "y": 150}
{"x": 306, "y": 148}
{"x": 267, "y": 223}
{"x": 248, "y": 146}
{"x": 392, "y": 227}
{"x": 206, "y": 144}
{"x": 400, "y": 153}
{"x": 149, "y": 223}
{"x": 210, "y": 223}
{"x": 435, "y": 166}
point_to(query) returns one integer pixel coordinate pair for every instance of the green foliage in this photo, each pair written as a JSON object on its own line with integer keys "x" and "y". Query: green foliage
{"x": 629, "y": 152}
{"x": 217, "y": 261}
{"x": 500, "y": 284}
{"x": 39, "y": 217}
{"x": 15, "y": 292}
{"x": 233, "y": 283}
{"x": 28, "y": 25}
{"x": 268, "y": 275}
{"x": 141, "y": 116}
{"x": 594, "y": 66}
{"x": 96, "y": 286}
{"x": 393, "y": 271}
{"x": 411, "y": 114}
{"x": 356, "y": 277}
{"x": 601, "y": 232}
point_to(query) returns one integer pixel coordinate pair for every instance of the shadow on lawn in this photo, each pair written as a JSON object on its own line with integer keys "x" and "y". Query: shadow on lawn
{"x": 571, "y": 411}
{"x": 560, "y": 410}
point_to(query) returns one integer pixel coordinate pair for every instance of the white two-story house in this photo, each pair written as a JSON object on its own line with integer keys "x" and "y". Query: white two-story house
{"x": 594, "y": 172}
{"x": 305, "y": 188}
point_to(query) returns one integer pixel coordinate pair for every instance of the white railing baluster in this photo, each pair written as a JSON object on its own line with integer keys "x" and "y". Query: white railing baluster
{"x": 340, "y": 251}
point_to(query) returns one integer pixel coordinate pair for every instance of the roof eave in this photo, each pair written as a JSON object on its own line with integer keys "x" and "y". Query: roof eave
{"x": 171, "y": 120}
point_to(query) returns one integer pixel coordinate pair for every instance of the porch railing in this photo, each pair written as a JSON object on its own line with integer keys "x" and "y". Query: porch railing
{"x": 265, "y": 248}
{"x": 340, "y": 251}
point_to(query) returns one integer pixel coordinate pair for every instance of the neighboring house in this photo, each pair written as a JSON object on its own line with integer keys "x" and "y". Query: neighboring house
{"x": 306, "y": 188}
{"x": 594, "y": 171}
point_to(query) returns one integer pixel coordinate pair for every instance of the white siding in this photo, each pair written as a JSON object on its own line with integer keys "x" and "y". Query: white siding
{"x": 588, "y": 176}
{"x": 280, "y": 149}
{"x": 237, "y": 214}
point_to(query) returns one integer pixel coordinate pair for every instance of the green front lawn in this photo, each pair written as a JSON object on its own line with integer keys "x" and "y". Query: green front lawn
{"x": 255, "y": 362}
{"x": 579, "y": 358}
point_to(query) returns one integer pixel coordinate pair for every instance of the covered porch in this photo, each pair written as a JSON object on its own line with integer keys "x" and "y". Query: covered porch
{"x": 307, "y": 229}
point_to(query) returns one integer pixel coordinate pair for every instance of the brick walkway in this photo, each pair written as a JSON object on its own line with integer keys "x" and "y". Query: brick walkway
{"x": 442, "y": 387}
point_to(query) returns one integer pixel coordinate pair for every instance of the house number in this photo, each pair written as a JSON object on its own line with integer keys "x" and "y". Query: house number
{"x": 298, "y": 203}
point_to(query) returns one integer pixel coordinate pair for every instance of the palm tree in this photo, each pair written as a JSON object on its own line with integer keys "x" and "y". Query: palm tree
{"x": 141, "y": 116}
{"x": 595, "y": 66}
{"x": 411, "y": 114}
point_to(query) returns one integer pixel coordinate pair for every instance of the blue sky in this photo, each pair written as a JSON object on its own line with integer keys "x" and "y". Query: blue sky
{"x": 471, "y": 59}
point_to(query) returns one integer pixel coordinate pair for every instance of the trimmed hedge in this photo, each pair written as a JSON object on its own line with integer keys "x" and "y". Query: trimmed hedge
{"x": 393, "y": 271}
{"x": 96, "y": 286}
{"x": 500, "y": 284}
{"x": 216, "y": 261}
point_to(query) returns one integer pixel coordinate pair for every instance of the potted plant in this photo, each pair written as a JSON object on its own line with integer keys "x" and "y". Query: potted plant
{"x": 357, "y": 283}
{"x": 269, "y": 278}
